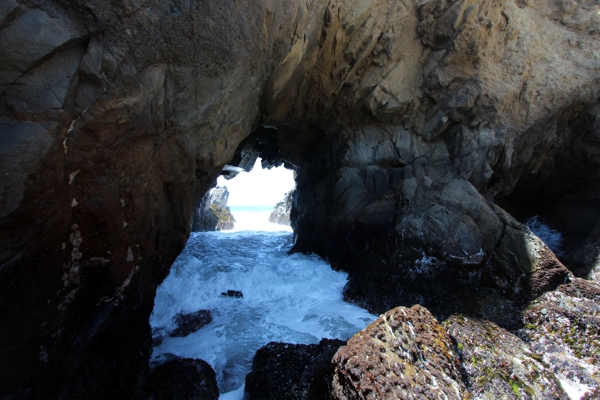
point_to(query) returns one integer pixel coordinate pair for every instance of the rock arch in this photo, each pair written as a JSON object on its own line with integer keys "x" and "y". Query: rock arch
{"x": 403, "y": 119}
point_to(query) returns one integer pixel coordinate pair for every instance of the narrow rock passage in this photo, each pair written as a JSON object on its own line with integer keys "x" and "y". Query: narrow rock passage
{"x": 293, "y": 299}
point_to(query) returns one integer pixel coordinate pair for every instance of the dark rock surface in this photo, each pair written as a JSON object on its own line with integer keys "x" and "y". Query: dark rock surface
{"x": 233, "y": 293}
{"x": 498, "y": 364}
{"x": 405, "y": 121}
{"x": 404, "y": 354}
{"x": 292, "y": 371}
{"x": 190, "y": 323}
{"x": 563, "y": 326}
{"x": 281, "y": 212}
{"x": 183, "y": 379}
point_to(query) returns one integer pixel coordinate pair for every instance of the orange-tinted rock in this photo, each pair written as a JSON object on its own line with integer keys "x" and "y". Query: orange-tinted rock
{"x": 404, "y": 354}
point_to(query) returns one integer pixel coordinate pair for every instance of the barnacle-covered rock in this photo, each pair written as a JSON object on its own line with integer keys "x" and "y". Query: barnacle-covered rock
{"x": 564, "y": 327}
{"x": 404, "y": 354}
{"x": 498, "y": 364}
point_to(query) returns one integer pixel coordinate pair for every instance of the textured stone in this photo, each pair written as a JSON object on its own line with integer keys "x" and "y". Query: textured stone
{"x": 563, "y": 326}
{"x": 22, "y": 144}
{"x": 404, "y": 354}
{"x": 184, "y": 379}
{"x": 292, "y": 371}
{"x": 500, "y": 365}
{"x": 33, "y": 37}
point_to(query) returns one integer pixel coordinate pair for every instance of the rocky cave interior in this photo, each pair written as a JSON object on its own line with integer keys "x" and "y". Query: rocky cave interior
{"x": 423, "y": 134}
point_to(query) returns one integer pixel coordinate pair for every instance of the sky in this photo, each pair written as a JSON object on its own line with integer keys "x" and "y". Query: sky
{"x": 259, "y": 187}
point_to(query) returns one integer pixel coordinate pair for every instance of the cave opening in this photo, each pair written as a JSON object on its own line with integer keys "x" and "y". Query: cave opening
{"x": 567, "y": 224}
{"x": 231, "y": 291}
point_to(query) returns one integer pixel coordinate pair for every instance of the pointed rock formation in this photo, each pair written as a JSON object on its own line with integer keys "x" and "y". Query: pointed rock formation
{"x": 281, "y": 212}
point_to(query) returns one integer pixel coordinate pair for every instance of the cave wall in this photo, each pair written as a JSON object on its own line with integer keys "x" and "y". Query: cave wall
{"x": 432, "y": 111}
{"x": 403, "y": 120}
{"x": 116, "y": 117}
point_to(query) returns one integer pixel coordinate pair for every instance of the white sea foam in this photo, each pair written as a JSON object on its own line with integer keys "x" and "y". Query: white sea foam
{"x": 256, "y": 221}
{"x": 551, "y": 237}
{"x": 574, "y": 390}
{"x": 294, "y": 299}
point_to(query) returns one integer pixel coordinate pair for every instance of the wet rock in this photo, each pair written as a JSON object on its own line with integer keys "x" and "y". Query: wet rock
{"x": 157, "y": 340}
{"x": 224, "y": 217}
{"x": 184, "y": 379}
{"x": 563, "y": 326}
{"x": 190, "y": 323}
{"x": 404, "y": 354}
{"x": 292, "y": 371}
{"x": 588, "y": 256}
{"x": 281, "y": 212}
{"x": 232, "y": 293}
{"x": 498, "y": 364}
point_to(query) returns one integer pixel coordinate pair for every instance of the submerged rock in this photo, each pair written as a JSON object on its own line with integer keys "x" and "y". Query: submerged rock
{"x": 190, "y": 323}
{"x": 281, "y": 212}
{"x": 498, "y": 364}
{"x": 292, "y": 371}
{"x": 232, "y": 293}
{"x": 563, "y": 326}
{"x": 404, "y": 354}
{"x": 184, "y": 379}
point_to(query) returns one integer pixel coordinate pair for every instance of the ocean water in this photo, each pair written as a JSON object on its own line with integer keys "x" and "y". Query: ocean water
{"x": 551, "y": 237}
{"x": 288, "y": 298}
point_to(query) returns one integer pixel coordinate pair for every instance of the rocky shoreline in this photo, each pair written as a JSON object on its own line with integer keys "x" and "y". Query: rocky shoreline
{"x": 407, "y": 353}
{"x": 421, "y": 134}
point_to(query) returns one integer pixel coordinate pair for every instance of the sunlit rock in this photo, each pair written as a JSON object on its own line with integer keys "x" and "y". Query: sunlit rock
{"x": 498, "y": 364}
{"x": 281, "y": 212}
{"x": 404, "y": 354}
{"x": 563, "y": 327}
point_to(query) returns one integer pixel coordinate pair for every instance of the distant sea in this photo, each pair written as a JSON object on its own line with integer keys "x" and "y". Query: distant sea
{"x": 251, "y": 208}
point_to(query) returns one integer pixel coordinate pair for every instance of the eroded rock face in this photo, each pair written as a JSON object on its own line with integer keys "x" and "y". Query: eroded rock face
{"x": 404, "y": 354}
{"x": 404, "y": 121}
{"x": 429, "y": 131}
{"x": 116, "y": 118}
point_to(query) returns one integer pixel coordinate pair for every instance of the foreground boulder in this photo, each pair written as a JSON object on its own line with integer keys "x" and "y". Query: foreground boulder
{"x": 563, "y": 326}
{"x": 404, "y": 354}
{"x": 498, "y": 364}
{"x": 183, "y": 379}
{"x": 292, "y": 371}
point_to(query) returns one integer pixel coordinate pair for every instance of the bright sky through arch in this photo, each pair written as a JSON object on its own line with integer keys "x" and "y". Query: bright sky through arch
{"x": 259, "y": 187}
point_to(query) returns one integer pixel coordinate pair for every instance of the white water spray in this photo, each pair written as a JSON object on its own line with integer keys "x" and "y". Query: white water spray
{"x": 294, "y": 299}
